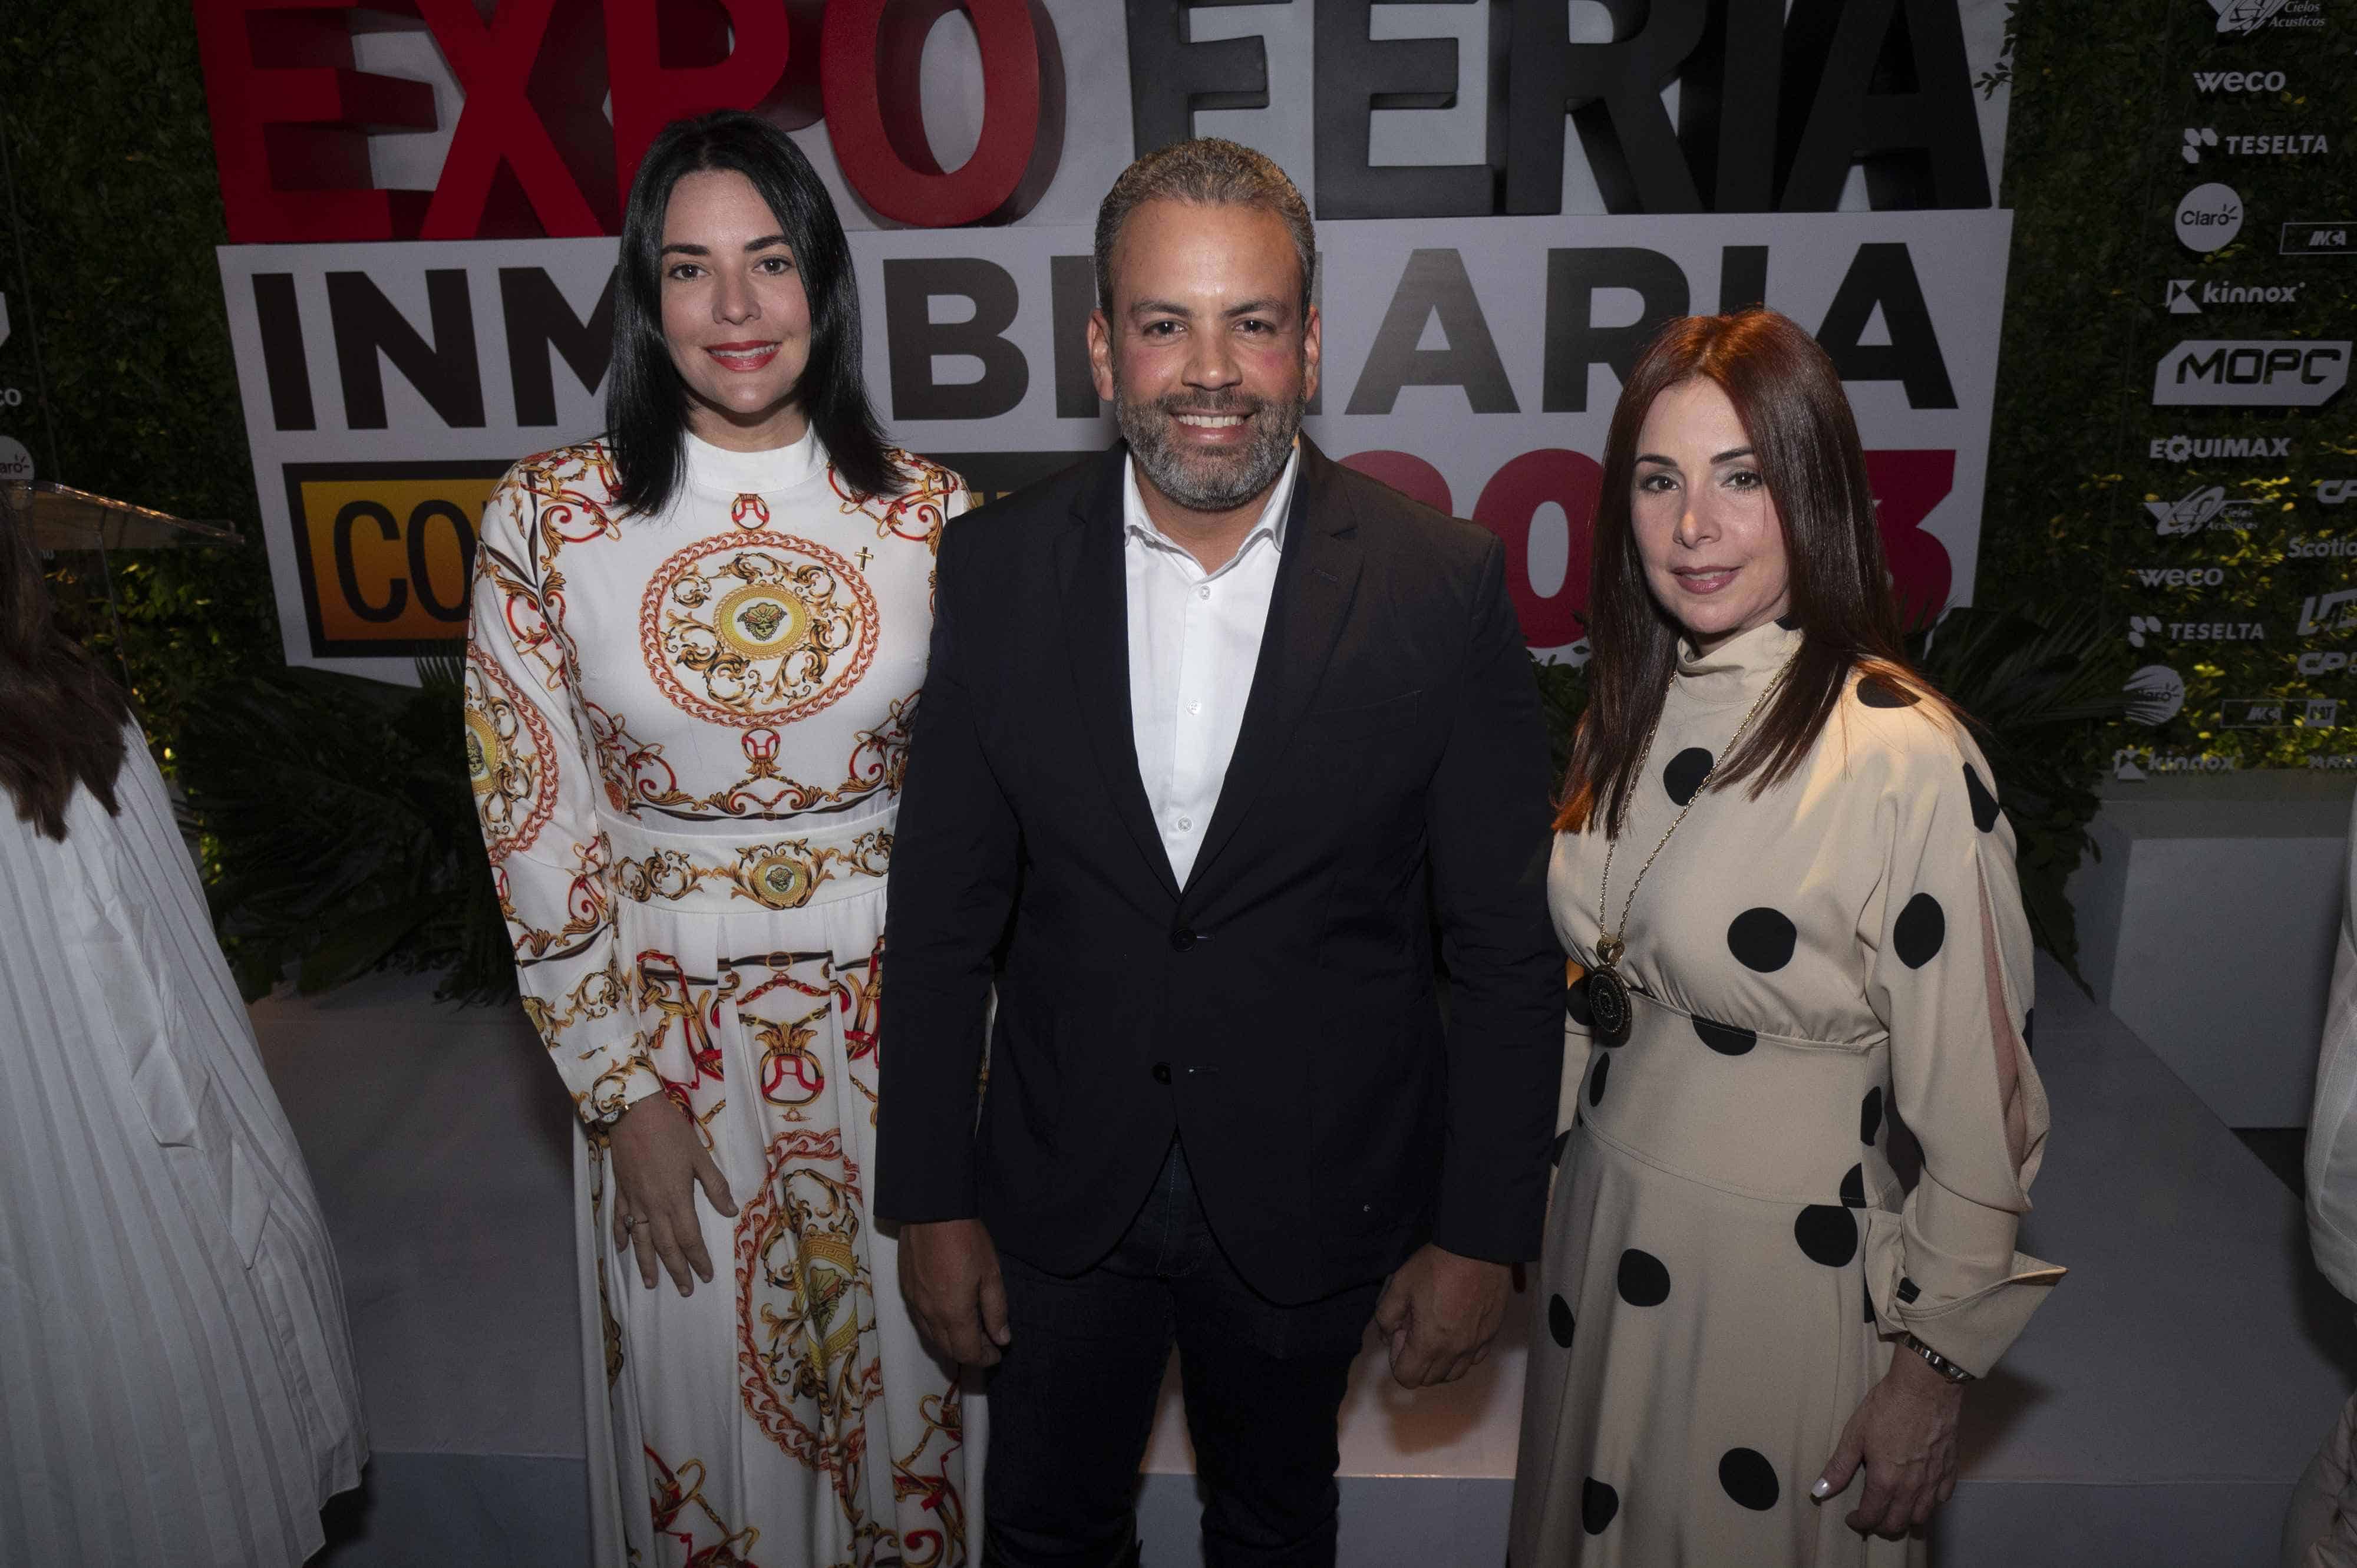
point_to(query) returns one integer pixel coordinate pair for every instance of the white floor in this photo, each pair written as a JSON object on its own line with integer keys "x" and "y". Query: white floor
{"x": 2156, "y": 1413}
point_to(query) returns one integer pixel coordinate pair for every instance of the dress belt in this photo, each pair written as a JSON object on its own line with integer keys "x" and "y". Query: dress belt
{"x": 723, "y": 874}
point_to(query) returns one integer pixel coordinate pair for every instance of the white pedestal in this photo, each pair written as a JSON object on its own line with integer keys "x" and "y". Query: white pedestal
{"x": 2207, "y": 928}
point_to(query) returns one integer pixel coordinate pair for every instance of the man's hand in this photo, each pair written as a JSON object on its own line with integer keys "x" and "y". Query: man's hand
{"x": 659, "y": 1161}
{"x": 1441, "y": 1311}
{"x": 949, "y": 1272}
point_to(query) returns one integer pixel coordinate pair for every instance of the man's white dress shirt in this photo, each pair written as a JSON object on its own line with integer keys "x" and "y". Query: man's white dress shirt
{"x": 1194, "y": 642}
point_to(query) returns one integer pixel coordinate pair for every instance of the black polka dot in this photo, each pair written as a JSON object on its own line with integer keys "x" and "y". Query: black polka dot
{"x": 1869, "y": 1115}
{"x": 1596, "y": 1080}
{"x": 1853, "y": 1188}
{"x": 1984, "y": 802}
{"x": 1876, "y": 692}
{"x": 1574, "y": 1003}
{"x": 1597, "y": 1504}
{"x": 1726, "y": 1039}
{"x": 1789, "y": 620}
{"x": 2029, "y": 1031}
{"x": 1745, "y": 1475}
{"x": 1827, "y": 1234}
{"x": 1919, "y": 930}
{"x": 1562, "y": 1140}
{"x": 1685, "y": 773}
{"x": 1559, "y": 1322}
{"x": 1762, "y": 940}
{"x": 1643, "y": 1280}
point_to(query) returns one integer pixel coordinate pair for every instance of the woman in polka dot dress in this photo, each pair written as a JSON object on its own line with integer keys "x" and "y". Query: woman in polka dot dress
{"x": 1809, "y": 921}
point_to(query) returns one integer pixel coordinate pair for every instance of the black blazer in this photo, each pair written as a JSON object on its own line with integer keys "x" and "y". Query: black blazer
{"x": 1279, "y": 1011}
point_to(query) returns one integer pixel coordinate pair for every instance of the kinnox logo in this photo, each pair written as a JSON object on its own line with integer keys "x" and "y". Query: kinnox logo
{"x": 2333, "y": 492}
{"x": 2303, "y": 548}
{"x": 2144, "y": 628}
{"x": 2269, "y": 373}
{"x": 2209, "y": 217}
{"x": 2201, "y": 509}
{"x": 2318, "y": 613}
{"x": 2181, "y": 577}
{"x": 2187, "y": 297}
{"x": 2288, "y": 145}
{"x": 2244, "y": 17}
{"x": 2239, "y": 81}
{"x": 2205, "y": 449}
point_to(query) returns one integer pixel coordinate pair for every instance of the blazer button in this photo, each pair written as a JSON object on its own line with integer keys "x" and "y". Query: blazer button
{"x": 1181, "y": 939}
{"x": 1162, "y": 1072}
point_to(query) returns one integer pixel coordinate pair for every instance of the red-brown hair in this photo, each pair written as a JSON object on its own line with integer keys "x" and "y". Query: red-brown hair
{"x": 1788, "y": 396}
{"x": 62, "y": 720}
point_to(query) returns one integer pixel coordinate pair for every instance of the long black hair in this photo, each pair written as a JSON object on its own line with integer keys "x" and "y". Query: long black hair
{"x": 60, "y": 718}
{"x": 646, "y": 402}
{"x": 1788, "y": 396}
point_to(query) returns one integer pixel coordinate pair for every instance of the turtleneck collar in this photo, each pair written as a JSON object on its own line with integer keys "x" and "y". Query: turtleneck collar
{"x": 716, "y": 470}
{"x": 1740, "y": 668}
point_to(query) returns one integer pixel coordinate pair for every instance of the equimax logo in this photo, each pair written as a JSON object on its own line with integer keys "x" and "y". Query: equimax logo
{"x": 2317, "y": 613}
{"x": 2209, "y": 217}
{"x": 2333, "y": 492}
{"x": 2188, "y": 296}
{"x": 2181, "y": 577}
{"x": 2200, "y": 448}
{"x": 2244, "y": 17}
{"x": 2268, "y": 374}
{"x": 2239, "y": 81}
{"x": 2286, "y": 145}
{"x": 2201, "y": 509}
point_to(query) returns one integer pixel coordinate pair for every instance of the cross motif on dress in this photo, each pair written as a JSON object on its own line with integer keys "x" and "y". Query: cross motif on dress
{"x": 865, "y": 555}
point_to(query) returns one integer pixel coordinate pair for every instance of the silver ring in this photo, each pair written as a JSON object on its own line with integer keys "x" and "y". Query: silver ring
{"x": 634, "y": 1224}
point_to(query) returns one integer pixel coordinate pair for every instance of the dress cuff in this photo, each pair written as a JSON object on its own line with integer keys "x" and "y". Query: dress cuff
{"x": 615, "y": 1089}
{"x": 1974, "y": 1330}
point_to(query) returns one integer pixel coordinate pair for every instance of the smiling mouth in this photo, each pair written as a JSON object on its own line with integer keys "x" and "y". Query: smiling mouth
{"x": 742, "y": 356}
{"x": 1211, "y": 420}
{"x": 1704, "y": 579}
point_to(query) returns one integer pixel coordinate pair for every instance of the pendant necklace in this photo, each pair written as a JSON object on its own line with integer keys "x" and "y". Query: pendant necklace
{"x": 1609, "y": 1013}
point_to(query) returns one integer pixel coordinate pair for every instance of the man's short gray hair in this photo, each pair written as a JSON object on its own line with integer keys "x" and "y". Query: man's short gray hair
{"x": 1207, "y": 172}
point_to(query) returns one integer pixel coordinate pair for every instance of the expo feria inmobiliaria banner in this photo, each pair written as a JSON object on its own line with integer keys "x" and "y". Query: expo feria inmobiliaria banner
{"x": 421, "y": 199}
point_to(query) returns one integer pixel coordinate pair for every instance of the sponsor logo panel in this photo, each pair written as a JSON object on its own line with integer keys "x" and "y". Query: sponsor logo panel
{"x": 2201, "y": 141}
{"x": 2314, "y": 237}
{"x": 2208, "y": 82}
{"x": 2276, "y": 373}
{"x": 2198, "y": 511}
{"x": 385, "y": 550}
{"x": 2241, "y": 18}
{"x": 2191, "y": 296}
{"x": 2213, "y": 448}
{"x": 2209, "y": 217}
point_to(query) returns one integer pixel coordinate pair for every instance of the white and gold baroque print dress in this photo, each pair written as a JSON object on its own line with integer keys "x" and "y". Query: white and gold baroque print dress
{"x": 686, "y": 734}
{"x": 1730, "y": 1256}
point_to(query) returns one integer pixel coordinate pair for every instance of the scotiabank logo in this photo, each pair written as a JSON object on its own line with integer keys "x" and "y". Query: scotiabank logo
{"x": 2269, "y": 373}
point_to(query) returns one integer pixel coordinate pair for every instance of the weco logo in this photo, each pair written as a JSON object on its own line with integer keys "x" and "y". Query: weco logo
{"x": 2209, "y": 217}
{"x": 2269, "y": 373}
{"x": 2238, "y": 82}
{"x": 2188, "y": 296}
{"x": 2333, "y": 492}
{"x": 2192, "y": 449}
{"x": 2201, "y": 509}
{"x": 2181, "y": 577}
{"x": 2244, "y": 17}
{"x": 2317, "y": 613}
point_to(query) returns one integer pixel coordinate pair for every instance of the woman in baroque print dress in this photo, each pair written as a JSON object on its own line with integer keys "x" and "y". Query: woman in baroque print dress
{"x": 695, "y": 646}
{"x": 1751, "y": 1340}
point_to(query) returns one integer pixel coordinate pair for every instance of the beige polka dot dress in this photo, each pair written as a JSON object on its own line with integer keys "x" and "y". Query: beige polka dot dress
{"x": 1730, "y": 1257}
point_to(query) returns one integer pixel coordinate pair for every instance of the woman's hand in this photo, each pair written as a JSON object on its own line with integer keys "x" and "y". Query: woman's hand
{"x": 1904, "y": 1434}
{"x": 659, "y": 1157}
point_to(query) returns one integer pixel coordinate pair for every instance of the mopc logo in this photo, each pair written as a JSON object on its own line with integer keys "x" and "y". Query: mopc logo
{"x": 2318, "y": 613}
{"x": 2268, "y": 374}
{"x": 2202, "y": 449}
{"x": 2238, "y": 82}
{"x": 2209, "y": 217}
{"x": 2188, "y": 296}
{"x": 2201, "y": 509}
{"x": 2181, "y": 577}
{"x": 2244, "y": 17}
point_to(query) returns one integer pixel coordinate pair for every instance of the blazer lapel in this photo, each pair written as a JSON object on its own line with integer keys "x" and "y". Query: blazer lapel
{"x": 1096, "y": 635}
{"x": 1317, "y": 578}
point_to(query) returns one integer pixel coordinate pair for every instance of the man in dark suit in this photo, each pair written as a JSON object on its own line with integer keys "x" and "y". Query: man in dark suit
{"x": 1213, "y": 728}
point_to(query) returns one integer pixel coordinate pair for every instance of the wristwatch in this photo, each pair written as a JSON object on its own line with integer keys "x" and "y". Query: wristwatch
{"x": 1937, "y": 1362}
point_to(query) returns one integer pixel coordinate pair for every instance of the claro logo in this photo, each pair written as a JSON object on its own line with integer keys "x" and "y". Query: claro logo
{"x": 2209, "y": 217}
{"x": 2271, "y": 374}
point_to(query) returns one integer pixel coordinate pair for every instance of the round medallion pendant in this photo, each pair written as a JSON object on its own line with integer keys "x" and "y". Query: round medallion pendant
{"x": 1609, "y": 1010}
{"x": 757, "y": 630}
{"x": 482, "y": 752}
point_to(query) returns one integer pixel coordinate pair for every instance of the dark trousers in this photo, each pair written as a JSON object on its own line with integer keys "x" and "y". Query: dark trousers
{"x": 1071, "y": 1403}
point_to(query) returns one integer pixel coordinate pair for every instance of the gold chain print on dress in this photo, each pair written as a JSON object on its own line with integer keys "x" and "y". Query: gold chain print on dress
{"x": 753, "y": 628}
{"x": 781, "y": 875}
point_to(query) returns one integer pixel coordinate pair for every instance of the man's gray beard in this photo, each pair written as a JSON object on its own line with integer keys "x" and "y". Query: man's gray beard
{"x": 1217, "y": 484}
